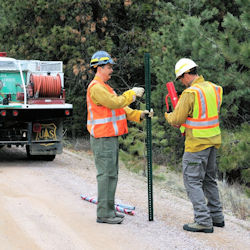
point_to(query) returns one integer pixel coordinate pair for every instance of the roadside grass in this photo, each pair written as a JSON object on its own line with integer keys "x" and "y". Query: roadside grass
{"x": 233, "y": 197}
{"x": 235, "y": 200}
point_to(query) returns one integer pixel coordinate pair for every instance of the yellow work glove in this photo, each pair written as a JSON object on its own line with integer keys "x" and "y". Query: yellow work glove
{"x": 146, "y": 112}
{"x": 138, "y": 91}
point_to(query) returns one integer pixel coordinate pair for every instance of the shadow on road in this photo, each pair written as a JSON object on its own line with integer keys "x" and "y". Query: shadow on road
{"x": 17, "y": 154}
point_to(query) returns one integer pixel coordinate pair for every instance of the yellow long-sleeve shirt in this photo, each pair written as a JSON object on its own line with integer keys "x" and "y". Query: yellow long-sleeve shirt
{"x": 184, "y": 109}
{"x": 101, "y": 96}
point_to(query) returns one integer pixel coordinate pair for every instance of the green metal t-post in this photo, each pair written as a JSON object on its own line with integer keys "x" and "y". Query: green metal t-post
{"x": 149, "y": 136}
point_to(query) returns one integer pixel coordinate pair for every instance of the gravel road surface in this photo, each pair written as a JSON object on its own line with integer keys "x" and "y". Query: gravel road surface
{"x": 41, "y": 208}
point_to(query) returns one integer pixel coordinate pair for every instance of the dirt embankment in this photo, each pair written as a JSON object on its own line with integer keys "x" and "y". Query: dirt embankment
{"x": 41, "y": 208}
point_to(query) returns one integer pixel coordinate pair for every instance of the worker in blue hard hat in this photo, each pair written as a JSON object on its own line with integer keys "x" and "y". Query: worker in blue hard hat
{"x": 101, "y": 58}
{"x": 107, "y": 119}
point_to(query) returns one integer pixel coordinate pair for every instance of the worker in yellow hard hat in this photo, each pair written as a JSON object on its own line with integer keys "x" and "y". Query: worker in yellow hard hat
{"x": 107, "y": 119}
{"x": 197, "y": 112}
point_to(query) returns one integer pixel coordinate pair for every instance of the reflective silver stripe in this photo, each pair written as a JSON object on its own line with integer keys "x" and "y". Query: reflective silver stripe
{"x": 114, "y": 123}
{"x": 106, "y": 120}
{"x": 112, "y": 119}
{"x": 202, "y": 123}
{"x": 203, "y": 104}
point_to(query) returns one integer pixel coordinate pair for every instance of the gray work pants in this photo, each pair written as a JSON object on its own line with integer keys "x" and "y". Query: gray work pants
{"x": 199, "y": 172}
{"x": 105, "y": 151}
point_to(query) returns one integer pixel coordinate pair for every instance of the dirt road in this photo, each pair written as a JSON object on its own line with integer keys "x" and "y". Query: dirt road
{"x": 41, "y": 208}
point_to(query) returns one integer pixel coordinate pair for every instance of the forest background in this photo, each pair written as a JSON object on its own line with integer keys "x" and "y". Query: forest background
{"x": 214, "y": 33}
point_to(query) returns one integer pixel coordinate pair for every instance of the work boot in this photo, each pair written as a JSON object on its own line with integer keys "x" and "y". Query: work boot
{"x": 119, "y": 215}
{"x": 109, "y": 220}
{"x": 219, "y": 224}
{"x": 195, "y": 227}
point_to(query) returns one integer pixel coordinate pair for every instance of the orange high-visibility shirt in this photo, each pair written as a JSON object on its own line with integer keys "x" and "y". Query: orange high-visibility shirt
{"x": 107, "y": 112}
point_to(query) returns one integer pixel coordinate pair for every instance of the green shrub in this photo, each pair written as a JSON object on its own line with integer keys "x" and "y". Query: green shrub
{"x": 234, "y": 154}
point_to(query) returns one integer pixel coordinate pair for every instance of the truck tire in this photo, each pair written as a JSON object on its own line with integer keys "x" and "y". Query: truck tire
{"x": 39, "y": 157}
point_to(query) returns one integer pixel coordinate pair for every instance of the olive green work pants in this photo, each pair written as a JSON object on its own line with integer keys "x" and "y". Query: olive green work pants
{"x": 106, "y": 151}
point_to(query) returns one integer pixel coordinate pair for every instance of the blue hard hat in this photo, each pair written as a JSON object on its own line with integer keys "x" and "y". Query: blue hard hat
{"x": 100, "y": 58}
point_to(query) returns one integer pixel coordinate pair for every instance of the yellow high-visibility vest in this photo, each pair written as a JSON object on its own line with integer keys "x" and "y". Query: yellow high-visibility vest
{"x": 205, "y": 120}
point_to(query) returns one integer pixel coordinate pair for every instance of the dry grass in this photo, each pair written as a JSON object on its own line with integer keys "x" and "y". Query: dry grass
{"x": 233, "y": 197}
{"x": 235, "y": 200}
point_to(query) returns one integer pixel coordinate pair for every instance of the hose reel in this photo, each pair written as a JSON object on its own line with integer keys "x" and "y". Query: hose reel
{"x": 46, "y": 86}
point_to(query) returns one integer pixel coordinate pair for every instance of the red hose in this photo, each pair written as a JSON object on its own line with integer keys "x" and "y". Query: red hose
{"x": 46, "y": 86}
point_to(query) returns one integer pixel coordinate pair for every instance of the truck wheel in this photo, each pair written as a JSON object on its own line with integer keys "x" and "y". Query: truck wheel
{"x": 39, "y": 157}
